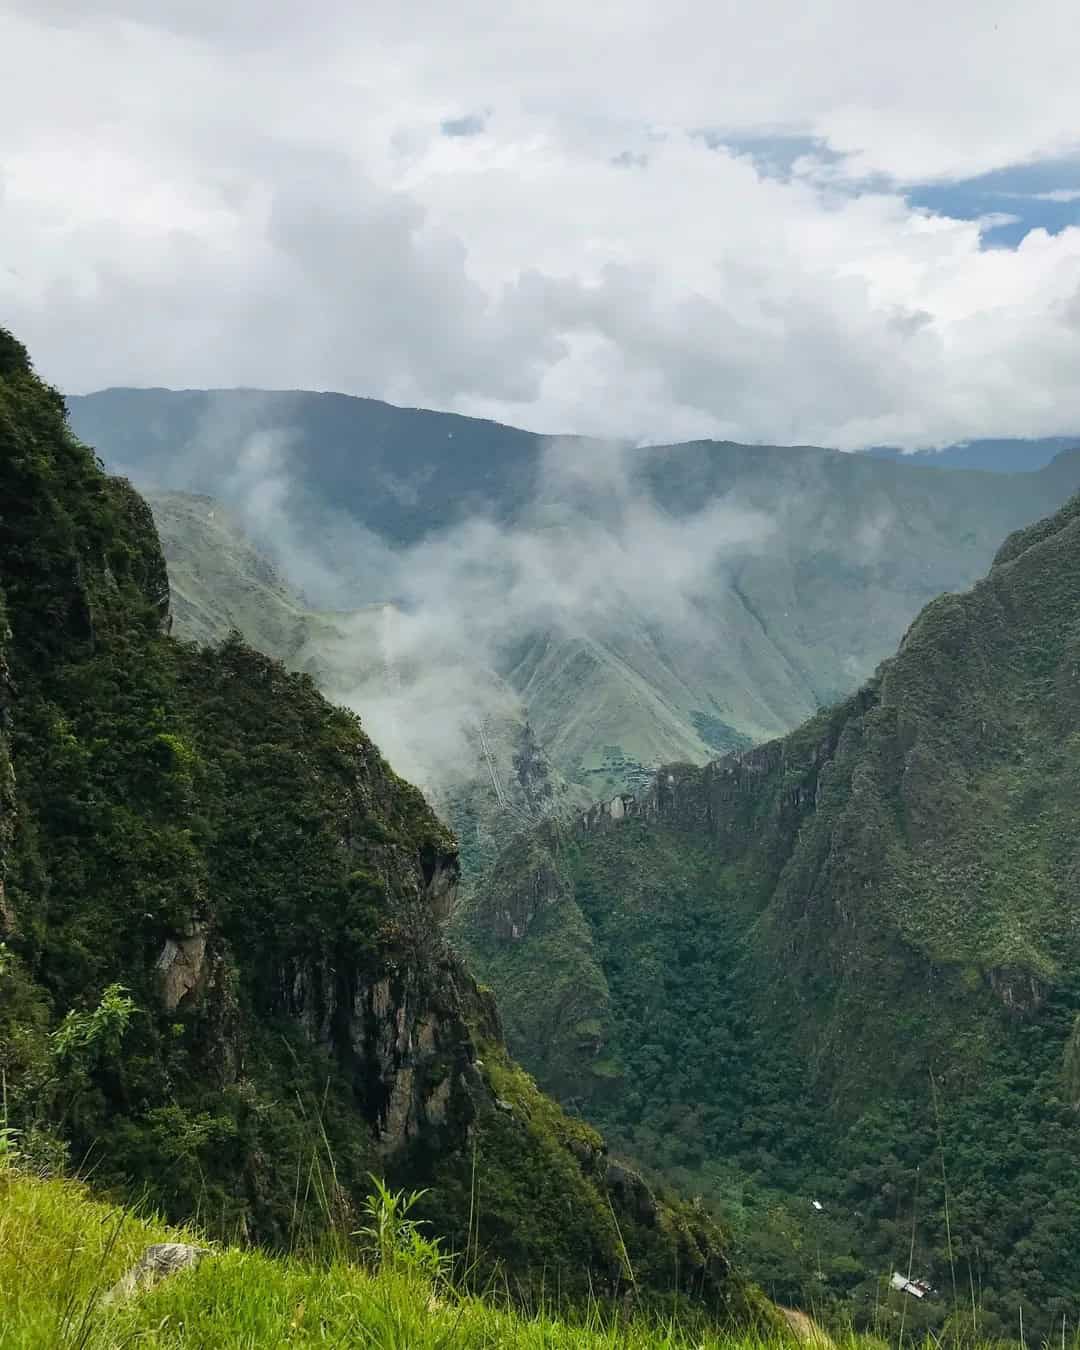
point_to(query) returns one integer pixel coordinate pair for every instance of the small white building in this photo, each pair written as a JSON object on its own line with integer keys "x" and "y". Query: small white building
{"x": 916, "y": 1288}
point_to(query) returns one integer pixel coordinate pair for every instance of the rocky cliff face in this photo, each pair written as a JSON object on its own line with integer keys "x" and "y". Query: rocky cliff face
{"x": 200, "y": 828}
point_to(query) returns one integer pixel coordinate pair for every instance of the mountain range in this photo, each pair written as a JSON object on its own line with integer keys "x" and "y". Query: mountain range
{"x": 631, "y": 604}
{"x": 1007, "y": 455}
{"x": 823, "y": 982}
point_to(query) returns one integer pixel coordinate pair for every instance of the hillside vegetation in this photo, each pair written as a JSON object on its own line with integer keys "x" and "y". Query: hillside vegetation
{"x": 223, "y": 985}
{"x": 842, "y": 967}
{"x": 220, "y": 582}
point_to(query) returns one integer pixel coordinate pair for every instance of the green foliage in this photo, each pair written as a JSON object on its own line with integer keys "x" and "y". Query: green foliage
{"x": 84, "y": 1038}
{"x": 1071, "y": 1065}
{"x": 717, "y": 734}
{"x": 842, "y": 967}
{"x": 394, "y": 1241}
{"x": 14, "y": 358}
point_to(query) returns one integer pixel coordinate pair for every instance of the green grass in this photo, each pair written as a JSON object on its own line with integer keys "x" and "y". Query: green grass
{"x": 62, "y": 1249}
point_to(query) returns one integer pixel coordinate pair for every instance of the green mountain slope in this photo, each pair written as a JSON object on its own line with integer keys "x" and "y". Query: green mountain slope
{"x": 223, "y": 984}
{"x": 846, "y": 962}
{"x": 499, "y": 779}
{"x": 624, "y": 661}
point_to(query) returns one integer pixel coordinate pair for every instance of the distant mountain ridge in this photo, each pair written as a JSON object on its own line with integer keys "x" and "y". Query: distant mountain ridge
{"x": 994, "y": 456}
{"x": 344, "y": 492}
{"x": 108, "y": 410}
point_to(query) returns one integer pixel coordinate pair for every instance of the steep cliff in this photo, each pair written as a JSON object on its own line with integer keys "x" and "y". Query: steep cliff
{"x": 847, "y": 960}
{"x": 223, "y": 981}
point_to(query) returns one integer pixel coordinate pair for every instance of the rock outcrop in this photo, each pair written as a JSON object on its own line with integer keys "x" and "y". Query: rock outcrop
{"x": 157, "y": 1263}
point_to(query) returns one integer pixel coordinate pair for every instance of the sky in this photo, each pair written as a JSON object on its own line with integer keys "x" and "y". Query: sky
{"x": 844, "y": 222}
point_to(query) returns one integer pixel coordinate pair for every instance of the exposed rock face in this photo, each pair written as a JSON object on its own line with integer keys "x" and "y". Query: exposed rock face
{"x": 1020, "y": 991}
{"x": 719, "y": 798}
{"x": 441, "y": 885}
{"x": 537, "y": 886}
{"x": 631, "y": 1193}
{"x": 180, "y": 967}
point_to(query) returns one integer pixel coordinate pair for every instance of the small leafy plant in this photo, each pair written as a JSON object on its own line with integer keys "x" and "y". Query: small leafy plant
{"x": 394, "y": 1240}
{"x": 84, "y": 1037}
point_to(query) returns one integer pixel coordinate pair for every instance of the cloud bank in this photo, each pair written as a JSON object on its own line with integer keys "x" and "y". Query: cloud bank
{"x": 558, "y": 216}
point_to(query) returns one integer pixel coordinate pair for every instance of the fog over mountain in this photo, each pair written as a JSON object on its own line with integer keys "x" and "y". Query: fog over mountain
{"x": 634, "y": 603}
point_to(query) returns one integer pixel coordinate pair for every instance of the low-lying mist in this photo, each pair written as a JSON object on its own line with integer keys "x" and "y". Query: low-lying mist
{"x": 637, "y": 604}
{"x": 423, "y": 661}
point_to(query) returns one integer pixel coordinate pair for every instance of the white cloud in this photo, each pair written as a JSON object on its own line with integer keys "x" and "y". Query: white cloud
{"x": 593, "y": 552}
{"x": 197, "y": 194}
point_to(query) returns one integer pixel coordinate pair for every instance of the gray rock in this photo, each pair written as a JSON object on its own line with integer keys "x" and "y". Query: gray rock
{"x": 180, "y": 967}
{"x": 630, "y": 1194}
{"x": 159, "y": 1260}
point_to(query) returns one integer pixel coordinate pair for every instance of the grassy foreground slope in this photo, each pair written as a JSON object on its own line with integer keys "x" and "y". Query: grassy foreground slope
{"x": 223, "y": 978}
{"x": 846, "y": 962}
{"x": 62, "y": 1251}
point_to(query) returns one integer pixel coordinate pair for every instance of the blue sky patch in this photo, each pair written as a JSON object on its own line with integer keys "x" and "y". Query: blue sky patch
{"x": 774, "y": 156}
{"x": 471, "y": 124}
{"x": 1043, "y": 195}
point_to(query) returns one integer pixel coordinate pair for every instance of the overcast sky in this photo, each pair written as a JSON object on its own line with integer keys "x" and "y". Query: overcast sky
{"x": 838, "y": 221}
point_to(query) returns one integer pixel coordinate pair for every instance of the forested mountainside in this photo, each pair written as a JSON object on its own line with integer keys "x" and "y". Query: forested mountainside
{"x": 223, "y": 986}
{"x": 719, "y": 594}
{"x": 842, "y": 967}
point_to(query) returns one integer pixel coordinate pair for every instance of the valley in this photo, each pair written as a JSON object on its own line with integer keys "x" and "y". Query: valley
{"x": 840, "y": 967}
{"x": 758, "y": 1084}
{"x": 820, "y": 985}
